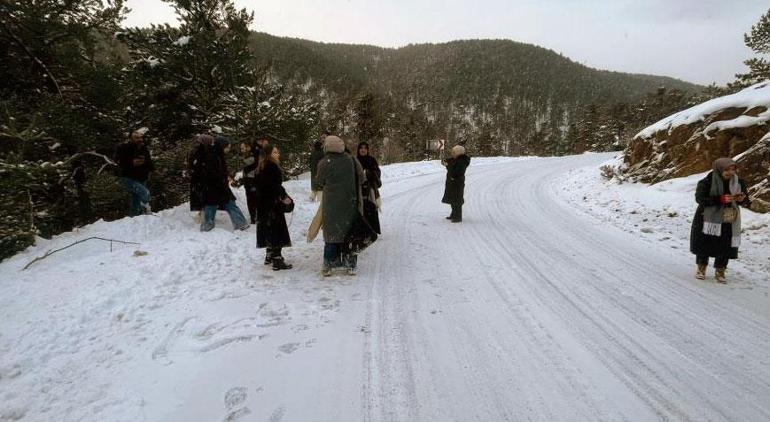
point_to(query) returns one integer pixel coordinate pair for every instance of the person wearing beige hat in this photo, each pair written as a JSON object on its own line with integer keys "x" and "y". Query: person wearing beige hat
{"x": 716, "y": 227}
{"x": 339, "y": 177}
{"x": 454, "y": 191}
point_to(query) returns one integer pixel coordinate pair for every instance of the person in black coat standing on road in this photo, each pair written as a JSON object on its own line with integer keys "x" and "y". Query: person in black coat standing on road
{"x": 272, "y": 230}
{"x": 455, "y": 182}
{"x": 371, "y": 186}
{"x": 716, "y": 227}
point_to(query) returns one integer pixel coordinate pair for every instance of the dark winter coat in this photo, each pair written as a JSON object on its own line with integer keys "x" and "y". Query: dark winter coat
{"x": 454, "y": 191}
{"x": 370, "y": 189}
{"x": 712, "y": 246}
{"x": 124, "y": 157}
{"x": 272, "y": 230}
{"x": 249, "y": 171}
{"x": 209, "y": 178}
{"x": 336, "y": 176}
{"x": 315, "y": 157}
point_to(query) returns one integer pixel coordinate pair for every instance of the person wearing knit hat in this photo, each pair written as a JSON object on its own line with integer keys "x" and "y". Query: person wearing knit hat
{"x": 339, "y": 177}
{"x": 716, "y": 227}
{"x": 454, "y": 191}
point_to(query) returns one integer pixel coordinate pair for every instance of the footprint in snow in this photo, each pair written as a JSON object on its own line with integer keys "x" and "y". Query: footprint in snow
{"x": 234, "y": 401}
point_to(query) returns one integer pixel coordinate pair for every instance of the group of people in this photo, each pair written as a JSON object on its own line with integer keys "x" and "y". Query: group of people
{"x": 346, "y": 184}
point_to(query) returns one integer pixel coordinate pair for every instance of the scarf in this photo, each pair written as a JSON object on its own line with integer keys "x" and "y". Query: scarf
{"x": 712, "y": 215}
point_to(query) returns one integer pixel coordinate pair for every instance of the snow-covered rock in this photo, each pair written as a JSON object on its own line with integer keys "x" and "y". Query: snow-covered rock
{"x": 688, "y": 142}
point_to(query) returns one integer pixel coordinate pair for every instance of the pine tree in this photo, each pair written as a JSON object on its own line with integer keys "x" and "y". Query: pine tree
{"x": 58, "y": 97}
{"x": 183, "y": 80}
{"x": 758, "y": 40}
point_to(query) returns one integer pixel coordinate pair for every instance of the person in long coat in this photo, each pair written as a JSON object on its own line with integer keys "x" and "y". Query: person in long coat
{"x": 337, "y": 176}
{"x": 316, "y": 155}
{"x": 454, "y": 190}
{"x": 250, "y": 161}
{"x": 272, "y": 230}
{"x": 209, "y": 172}
{"x": 716, "y": 227}
{"x": 370, "y": 186}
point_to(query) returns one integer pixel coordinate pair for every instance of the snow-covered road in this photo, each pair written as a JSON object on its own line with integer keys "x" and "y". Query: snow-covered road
{"x": 528, "y": 310}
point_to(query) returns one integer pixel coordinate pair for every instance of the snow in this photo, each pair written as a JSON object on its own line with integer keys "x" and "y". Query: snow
{"x": 182, "y": 41}
{"x": 539, "y": 306}
{"x": 754, "y": 96}
{"x": 662, "y": 214}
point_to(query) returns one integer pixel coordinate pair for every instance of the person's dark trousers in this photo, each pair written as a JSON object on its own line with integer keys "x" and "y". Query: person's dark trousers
{"x": 719, "y": 262}
{"x": 251, "y": 203}
{"x": 332, "y": 252}
{"x": 457, "y": 212}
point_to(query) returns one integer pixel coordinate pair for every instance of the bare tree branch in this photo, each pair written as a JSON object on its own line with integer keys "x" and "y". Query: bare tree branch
{"x": 51, "y": 252}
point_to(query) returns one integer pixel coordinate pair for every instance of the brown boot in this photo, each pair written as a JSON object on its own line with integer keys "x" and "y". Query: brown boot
{"x": 720, "y": 275}
{"x": 701, "y": 273}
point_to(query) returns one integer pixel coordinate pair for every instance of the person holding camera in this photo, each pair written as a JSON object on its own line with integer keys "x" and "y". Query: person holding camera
{"x": 454, "y": 191}
{"x": 716, "y": 227}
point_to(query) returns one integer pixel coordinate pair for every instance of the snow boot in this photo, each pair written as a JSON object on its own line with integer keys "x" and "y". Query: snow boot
{"x": 326, "y": 271}
{"x": 720, "y": 275}
{"x": 700, "y": 274}
{"x": 352, "y": 271}
{"x": 280, "y": 264}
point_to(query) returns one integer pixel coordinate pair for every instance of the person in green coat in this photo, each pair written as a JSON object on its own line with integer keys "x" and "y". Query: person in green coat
{"x": 337, "y": 175}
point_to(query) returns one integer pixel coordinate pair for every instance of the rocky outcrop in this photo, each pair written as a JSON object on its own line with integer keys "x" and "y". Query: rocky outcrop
{"x": 688, "y": 142}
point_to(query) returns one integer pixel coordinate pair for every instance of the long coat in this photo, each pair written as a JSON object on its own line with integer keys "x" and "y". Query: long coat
{"x": 315, "y": 157}
{"x": 272, "y": 231}
{"x": 370, "y": 188}
{"x": 337, "y": 174}
{"x": 712, "y": 246}
{"x": 454, "y": 190}
{"x": 209, "y": 178}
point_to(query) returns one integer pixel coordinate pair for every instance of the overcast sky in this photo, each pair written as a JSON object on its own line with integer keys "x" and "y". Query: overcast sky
{"x": 696, "y": 40}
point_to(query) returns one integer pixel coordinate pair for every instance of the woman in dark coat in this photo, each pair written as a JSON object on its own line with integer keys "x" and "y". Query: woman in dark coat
{"x": 454, "y": 192}
{"x": 250, "y": 159}
{"x": 716, "y": 227}
{"x": 370, "y": 186}
{"x": 272, "y": 231}
{"x": 210, "y": 179}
